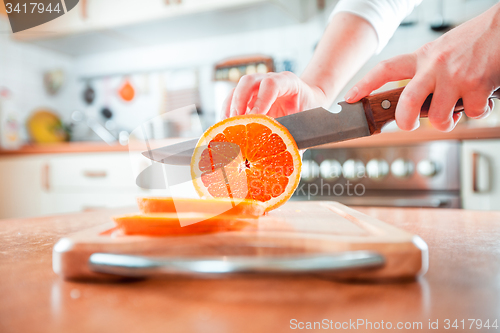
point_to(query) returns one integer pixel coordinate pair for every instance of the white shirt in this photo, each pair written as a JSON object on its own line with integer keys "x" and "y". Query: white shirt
{"x": 384, "y": 15}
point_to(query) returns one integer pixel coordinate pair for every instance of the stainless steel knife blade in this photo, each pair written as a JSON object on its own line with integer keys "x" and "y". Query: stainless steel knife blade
{"x": 309, "y": 129}
{"x": 319, "y": 126}
{"x": 176, "y": 154}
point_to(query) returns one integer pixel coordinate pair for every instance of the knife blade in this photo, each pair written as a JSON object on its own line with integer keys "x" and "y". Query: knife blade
{"x": 319, "y": 126}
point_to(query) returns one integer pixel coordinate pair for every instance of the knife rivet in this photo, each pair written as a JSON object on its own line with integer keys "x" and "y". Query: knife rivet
{"x": 386, "y": 104}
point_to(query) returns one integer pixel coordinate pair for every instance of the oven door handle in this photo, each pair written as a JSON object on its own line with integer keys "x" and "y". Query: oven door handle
{"x": 480, "y": 168}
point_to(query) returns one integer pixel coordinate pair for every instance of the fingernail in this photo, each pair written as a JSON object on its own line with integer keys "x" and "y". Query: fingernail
{"x": 254, "y": 111}
{"x": 233, "y": 112}
{"x": 416, "y": 124}
{"x": 485, "y": 113}
{"x": 450, "y": 127}
{"x": 351, "y": 94}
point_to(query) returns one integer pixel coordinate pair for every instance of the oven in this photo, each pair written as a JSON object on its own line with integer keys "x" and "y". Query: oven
{"x": 419, "y": 175}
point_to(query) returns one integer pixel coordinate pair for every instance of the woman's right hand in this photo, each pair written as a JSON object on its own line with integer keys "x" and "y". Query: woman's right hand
{"x": 273, "y": 94}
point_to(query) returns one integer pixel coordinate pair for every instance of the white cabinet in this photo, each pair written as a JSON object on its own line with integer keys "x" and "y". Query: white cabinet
{"x": 480, "y": 167}
{"x": 21, "y": 190}
{"x": 61, "y": 183}
{"x": 91, "y": 16}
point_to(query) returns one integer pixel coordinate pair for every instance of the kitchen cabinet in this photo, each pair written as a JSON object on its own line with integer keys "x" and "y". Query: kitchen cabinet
{"x": 480, "y": 163}
{"x": 22, "y": 193}
{"x": 113, "y": 25}
{"x": 60, "y": 183}
{"x": 91, "y": 16}
{"x": 91, "y": 172}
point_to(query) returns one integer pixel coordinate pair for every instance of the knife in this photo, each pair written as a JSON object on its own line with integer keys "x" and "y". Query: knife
{"x": 319, "y": 126}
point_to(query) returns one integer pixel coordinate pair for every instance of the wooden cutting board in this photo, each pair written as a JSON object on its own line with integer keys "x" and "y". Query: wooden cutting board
{"x": 296, "y": 228}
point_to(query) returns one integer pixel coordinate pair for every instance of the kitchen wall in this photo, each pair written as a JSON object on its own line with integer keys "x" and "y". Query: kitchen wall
{"x": 21, "y": 71}
{"x": 295, "y": 42}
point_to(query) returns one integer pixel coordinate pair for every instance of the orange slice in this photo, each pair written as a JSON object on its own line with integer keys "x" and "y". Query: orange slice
{"x": 247, "y": 157}
{"x": 167, "y": 224}
{"x": 219, "y": 206}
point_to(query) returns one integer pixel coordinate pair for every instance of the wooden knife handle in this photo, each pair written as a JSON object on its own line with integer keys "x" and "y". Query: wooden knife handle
{"x": 380, "y": 108}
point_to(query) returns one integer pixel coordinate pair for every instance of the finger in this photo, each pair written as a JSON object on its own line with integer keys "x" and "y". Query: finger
{"x": 410, "y": 102}
{"x": 270, "y": 89}
{"x": 226, "y": 112}
{"x": 476, "y": 104}
{"x": 253, "y": 98}
{"x": 246, "y": 85}
{"x": 456, "y": 118}
{"x": 398, "y": 68}
{"x": 442, "y": 107}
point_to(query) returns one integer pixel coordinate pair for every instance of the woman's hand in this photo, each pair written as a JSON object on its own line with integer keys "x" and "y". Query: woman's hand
{"x": 274, "y": 94}
{"x": 463, "y": 63}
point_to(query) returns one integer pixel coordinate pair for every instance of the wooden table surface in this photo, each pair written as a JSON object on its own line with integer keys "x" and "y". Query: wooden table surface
{"x": 463, "y": 282}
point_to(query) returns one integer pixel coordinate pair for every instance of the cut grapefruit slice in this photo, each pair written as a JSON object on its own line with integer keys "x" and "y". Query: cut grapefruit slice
{"x": 247, "y": 157}
{"x": 219, "y": 206}
{"x": 168, "y": 224}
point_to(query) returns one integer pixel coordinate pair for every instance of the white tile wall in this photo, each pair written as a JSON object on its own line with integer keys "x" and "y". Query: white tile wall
{"x": 21, "y": 71}
{"x": 290, "y": 42}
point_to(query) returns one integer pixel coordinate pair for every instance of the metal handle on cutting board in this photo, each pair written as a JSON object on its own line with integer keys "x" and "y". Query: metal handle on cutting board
{"x": 139, "y": 266}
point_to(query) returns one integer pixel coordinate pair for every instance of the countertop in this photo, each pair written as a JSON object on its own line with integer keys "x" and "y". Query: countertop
{"x": 463, "y": 282}
{"x": 85, "y": 147}
{"x": 384, "y": 139}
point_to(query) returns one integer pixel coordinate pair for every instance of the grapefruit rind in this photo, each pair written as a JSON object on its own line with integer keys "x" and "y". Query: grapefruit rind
{"x": 168, "y": 224}
{"x": 213, "y": 131}
{"x": 215, "y": 206}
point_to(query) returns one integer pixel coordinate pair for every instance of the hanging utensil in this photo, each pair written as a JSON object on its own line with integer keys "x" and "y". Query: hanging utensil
{"x": 53, "y": 81}
{"x": 106, "y": 111}
{"x": 88, "y": 94}
{"x": 126, "y": 91}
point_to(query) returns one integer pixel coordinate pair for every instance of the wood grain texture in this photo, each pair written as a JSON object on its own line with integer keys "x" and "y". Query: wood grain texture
{"x": 301, "y": 227}
{"x": 378, "y": 117}
{"x": 462, "y": 282}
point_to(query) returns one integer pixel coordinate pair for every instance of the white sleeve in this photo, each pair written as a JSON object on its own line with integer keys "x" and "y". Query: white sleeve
{"x": 384, "y": 15}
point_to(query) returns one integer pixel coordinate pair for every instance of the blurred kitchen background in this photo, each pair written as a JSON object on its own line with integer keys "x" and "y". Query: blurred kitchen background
{"x": 73, "y": 89}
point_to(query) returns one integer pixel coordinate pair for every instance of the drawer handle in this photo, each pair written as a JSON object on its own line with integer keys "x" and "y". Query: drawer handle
{"x": 480, "y": 173}
{"x": 95, "y": 174}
